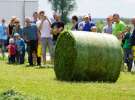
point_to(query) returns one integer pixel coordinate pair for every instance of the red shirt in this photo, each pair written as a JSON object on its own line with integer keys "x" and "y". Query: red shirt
{"x": 11, "y": 49}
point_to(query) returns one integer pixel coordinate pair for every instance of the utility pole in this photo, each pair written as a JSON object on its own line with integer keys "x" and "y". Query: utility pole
{"x": 24, "y": 5}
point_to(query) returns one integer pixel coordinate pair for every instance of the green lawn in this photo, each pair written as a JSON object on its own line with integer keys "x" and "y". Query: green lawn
{"x": 42, "y": 83}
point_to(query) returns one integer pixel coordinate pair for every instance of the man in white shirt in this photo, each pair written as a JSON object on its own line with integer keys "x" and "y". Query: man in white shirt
{"x": 44, "y": 26}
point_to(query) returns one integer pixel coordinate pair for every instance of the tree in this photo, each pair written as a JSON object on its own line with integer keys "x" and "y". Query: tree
{"x": 63, "y": 7}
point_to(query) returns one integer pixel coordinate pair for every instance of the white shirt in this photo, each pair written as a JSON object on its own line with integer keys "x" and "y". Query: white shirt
{"x": 45, "y": 30}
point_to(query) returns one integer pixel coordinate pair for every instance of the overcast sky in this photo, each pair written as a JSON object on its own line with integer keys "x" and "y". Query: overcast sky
{"x": 98, "y": 8}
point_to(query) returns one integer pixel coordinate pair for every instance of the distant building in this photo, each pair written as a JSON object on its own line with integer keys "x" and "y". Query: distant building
{"x": 20, "y": 8}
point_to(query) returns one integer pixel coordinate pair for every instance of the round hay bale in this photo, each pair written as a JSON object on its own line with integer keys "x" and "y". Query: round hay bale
{"x": 85, "y": 56}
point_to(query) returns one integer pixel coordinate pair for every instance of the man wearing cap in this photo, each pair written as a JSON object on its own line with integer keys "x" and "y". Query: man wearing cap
{"x": 86, "y": 25}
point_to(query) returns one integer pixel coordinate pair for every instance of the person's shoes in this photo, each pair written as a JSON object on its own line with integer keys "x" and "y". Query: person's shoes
{"x": 8, "y": 62}
{"x": 38, "y": 64}
{"x": 30, "y": 65}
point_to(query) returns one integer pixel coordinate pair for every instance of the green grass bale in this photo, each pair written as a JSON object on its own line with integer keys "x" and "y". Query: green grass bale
{"x": 85, "y": 56}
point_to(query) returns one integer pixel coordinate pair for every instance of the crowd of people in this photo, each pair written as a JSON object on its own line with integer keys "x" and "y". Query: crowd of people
{"x": 40, "y": 33}
{"x": 37, "y": 34}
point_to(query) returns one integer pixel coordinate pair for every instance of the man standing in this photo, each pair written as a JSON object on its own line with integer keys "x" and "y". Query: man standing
{"x": 44, "y": 26}
{"x": 86, "y": 24}
{"x": 119, "y": 27}
{"x": 57, "y": 28}
{"x": 108, "y": 27}
{"x": 31, "y": 38}
{"x": 3, "y": 37}
{"x": 133, "y": 40}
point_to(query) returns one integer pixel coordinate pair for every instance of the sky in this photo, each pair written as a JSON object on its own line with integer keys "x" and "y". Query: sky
{"x": 97, "y": 8}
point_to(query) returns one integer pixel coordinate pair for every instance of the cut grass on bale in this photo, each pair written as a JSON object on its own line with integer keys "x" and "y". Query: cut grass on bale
{"x": 42, "y": 83}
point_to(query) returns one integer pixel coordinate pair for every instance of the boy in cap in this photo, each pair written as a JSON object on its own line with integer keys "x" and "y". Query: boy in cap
{"x": 20, "y": 44}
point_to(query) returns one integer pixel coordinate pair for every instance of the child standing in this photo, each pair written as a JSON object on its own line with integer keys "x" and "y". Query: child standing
{"x": 127, "y": 48}
{"x": 11, "y": 51}
{"x": 20, "y": 44}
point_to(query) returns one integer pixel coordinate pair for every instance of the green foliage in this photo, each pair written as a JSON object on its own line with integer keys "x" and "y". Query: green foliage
{"x": 83, "y": 56}
{"x": 13, "y": 95}
{"x": 126, "y": 20}
{"x": 64, "y": 7}
{"x": 100, "y": 24}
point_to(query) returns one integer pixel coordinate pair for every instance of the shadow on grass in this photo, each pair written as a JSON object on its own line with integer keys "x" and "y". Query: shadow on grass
{"x": 84, "y": 82}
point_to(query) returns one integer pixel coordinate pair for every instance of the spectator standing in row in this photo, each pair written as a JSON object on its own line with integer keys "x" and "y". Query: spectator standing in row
{"x": 3, "y": 37}
{"x": 44, "y": 26}
{"x": 17, "y": 28}
{"x": 133, "y": 39}
{"x": 57, "y": 27}
{"x": 109, "y": 26}
{"x": 86, "y": 24}
{"x": 30, "y": 34}
{"x": 74, "y": 23}
{"x": 127, "y": 48}
{"x": 20, "y": 49}
{"x": 119, "y": 27}
{"x": 11, "y": 26}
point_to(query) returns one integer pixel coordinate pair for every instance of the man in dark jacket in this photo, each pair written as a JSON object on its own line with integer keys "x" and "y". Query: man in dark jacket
{"x": 57, "y": 28}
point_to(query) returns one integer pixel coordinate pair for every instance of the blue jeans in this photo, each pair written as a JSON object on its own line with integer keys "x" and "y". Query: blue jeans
{"x": 3, "y": 46}
{"x": 20, "y": 57}
{"x": 47, "y": 42}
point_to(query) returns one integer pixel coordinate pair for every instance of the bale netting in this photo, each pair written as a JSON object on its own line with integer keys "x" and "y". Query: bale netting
{"x": 86, "y": 56}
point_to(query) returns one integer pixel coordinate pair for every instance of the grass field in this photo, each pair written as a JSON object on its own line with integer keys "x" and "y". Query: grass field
{"x": 42, "y": 83}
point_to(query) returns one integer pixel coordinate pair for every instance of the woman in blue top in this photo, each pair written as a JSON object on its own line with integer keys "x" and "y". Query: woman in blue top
{"x": 17, "y": 28}
{"x": 3, "y": 37}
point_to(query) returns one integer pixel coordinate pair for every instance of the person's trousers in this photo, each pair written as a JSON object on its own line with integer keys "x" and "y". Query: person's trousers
{"x": 20, "y": 57}
{"x": 128, "y": 58}
{"x": 11, "y": 59}
{"x": 38, "y": 61}
{"x": 47, "y": 42}
{"x": 31, "y": 48}
{"x": 3, "y": 46}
